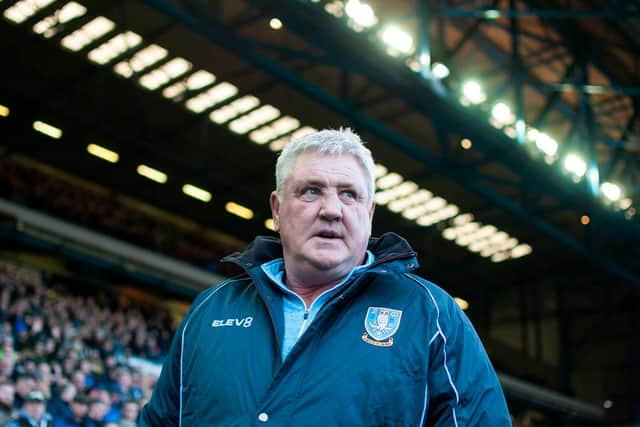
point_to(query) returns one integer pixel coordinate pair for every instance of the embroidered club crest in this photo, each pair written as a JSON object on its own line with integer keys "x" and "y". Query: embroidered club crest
{"x": 380, "y": 325}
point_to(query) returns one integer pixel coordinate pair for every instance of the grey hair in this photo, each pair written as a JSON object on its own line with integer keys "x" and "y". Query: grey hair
{"x": 328, "y": 141}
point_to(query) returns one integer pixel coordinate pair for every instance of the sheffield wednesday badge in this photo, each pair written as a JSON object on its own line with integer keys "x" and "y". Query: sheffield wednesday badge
{"x": 380, "y": 324}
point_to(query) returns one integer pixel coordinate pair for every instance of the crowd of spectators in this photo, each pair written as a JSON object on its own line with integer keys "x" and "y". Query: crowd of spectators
{"x": 105, "y": 213}
{"x": 67, "y": 354}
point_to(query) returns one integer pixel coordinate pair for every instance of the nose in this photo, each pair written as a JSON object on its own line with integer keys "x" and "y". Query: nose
{"x": 331, "y": 207}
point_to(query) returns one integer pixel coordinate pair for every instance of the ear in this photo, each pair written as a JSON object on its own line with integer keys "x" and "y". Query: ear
{"x": 275, "y": 209}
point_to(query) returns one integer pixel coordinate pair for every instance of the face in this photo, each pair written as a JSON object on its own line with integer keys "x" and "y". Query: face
{"x": 324, "y": 218}
{"x": 6, "y": 394}
{"x": 34, "y": 409}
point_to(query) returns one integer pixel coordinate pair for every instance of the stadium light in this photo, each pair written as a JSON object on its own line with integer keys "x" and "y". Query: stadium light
{"x": 440, "y": 70}
{"x": 502, "y": 114}
{"x": 114, "y": 47}
{"x": 611, "y": 191}
{"x": 24, "y": 9}
{"x": 269, "y": 224}
{"x": 546, "y": 144}
{"x": 4, "y": 111}
{"x": 361, "y": 13}
{"x": 275, "y": 24}
{"x": 398, "y": 39}
{"x": 473, "y": 92}
{"x": 86, "y": 34}
{"x": 238, "y": 210}
{"x": 49, "y": 26}
{"x": 196, "y": 193}
{"x": 575, "y": 164}
{"x": 152, "y": 174}
{"x": 47, "y": 129}
{"x": 103, "y": 153}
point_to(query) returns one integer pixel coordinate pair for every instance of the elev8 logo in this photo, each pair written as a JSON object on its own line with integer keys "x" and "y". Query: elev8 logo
{"x": 244, "y": 322}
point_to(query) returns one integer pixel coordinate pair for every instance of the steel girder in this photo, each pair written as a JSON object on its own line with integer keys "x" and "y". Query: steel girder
{"x": 352, "y": 52}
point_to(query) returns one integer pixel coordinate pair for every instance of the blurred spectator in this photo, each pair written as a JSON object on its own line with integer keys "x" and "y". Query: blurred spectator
{"x": 130, "y": 412}
{"x": 33, "y": 413}
{"x": 78, "y": 417}
{"x": 97, "y": 411}
{"x": 7, "y": 392}
{"x": 25, "y": 384}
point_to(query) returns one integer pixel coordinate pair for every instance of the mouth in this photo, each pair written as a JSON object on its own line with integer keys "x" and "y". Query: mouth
{"x": 328, "y": 234}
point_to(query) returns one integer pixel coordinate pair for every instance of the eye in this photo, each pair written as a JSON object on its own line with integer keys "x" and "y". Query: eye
{"x": 309, "y": 193}
{"x": 349, "y": 195}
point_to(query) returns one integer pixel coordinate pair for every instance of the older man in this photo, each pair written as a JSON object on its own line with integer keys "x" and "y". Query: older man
{"x": 327, "y": 326}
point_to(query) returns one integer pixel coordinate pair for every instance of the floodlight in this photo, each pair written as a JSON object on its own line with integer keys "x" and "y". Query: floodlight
{"x": 152, "y": 174}
{"x": 463, "y": 304}
{"x": 389, "y": 180}
{"x": 440, "y": 70}
{"x": 575, "y": 164}
{"x": 361, "y": 13}
{"x": 502, "y": 113}
{"x": 47, "y": 129}
{"x": 611, "y": 191}
{"x": 397, "y": 39}
{"x": 269, "y": 224}
{"x": 473, "y": 92}
{"x": 546, "y": 144}
{"x": 196, "y": 193}
{"x": 275, "y": 23}
{"x": 238, "y": 210}
{"x": 4, "y": 111}
{"x": 103, "y": 153}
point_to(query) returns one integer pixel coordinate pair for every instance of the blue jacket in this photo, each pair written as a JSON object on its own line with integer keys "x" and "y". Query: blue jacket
{"x": 389, "y": 349}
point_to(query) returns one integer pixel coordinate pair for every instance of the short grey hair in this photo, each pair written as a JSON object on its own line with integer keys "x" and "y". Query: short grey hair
{"x": 333, "y": 142}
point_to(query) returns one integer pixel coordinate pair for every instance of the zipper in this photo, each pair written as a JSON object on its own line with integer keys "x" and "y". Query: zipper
{"x": 305, "y": 316}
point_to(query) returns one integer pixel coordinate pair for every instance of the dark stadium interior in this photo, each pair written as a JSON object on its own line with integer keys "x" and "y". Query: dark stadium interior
{"x": 558, "y": 314}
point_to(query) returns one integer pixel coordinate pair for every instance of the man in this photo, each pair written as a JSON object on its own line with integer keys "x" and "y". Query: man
{"x": 7, "y": 392}
{"x": 33, "y": 412}
{"x": 79, "y": 407}
{"x": 327, "y": 326}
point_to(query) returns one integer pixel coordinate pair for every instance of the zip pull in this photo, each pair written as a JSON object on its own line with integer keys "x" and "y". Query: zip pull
{"x": 305, "y": 316}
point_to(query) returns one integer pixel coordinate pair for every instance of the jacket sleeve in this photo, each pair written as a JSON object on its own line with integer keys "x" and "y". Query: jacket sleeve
{"x": 163, "y": 409}
{"x": 463, "y": 387}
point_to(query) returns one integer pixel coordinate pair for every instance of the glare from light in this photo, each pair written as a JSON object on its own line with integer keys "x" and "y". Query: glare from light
{"x": 611, "y": 191}
{"x": 279, "y": 143}
{"x": 196, "y": 193}
{"x": 269, "y": 224}
{"x": 585, "y": 220}
{"x": 361, "y": 13}
{"x": 546, "y": 144}
{"x": 398, "y": 39}
{"x": 4, "y": 111}
{"x": 152, "y": 174}
{"x": 114, "y": 47}
{"x": 389, "y": 180}
{"x": 499, "y": 257}
{"x": 233, "y": 109}
{"x": 253, "y": 119}
{"x": 103, "y": 153}
{"x": 86, "y": 34}
{"x": 200, "y": 79}
{"x": 380, "y": 170}
{"x": 440, "y": 70}
{"x": 521, "y": 250}
{"x": 165, "y": 73}
{"x": 211, "y": 97}
{"x": 269, "y": 132}
{"x": 50, "y": 25}
{"x": 24, "y": 9}
{"x": 502, "y": 113}
{"x": 466, "y": 143}
{"x": 473, "y": 92}
{"x": 238, "y": 210}
{"x": 607, "y": 404}
{"x": 575, "y": 164}
{"x": 174, "y": 91}
{"x": 625, "y": 203}
{"x": 463, "y": 304}
{"x": 463, "y": 219}
{"x": 142, "y": 60}
{"x": 630, "y": 213}
{"x": 275, "y": 24}
{"x": 492, "y": 14}
{"x": 47, "y": 129}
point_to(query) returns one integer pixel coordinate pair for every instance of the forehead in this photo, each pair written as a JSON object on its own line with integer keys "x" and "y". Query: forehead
{"x": 312, "y": 165}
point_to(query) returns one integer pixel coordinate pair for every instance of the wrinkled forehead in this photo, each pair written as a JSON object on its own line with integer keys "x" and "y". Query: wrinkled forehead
{"x": 306, "y": 158}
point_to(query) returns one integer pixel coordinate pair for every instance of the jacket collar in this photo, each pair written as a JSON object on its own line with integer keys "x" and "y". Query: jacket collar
{"x": 386, "y": 248}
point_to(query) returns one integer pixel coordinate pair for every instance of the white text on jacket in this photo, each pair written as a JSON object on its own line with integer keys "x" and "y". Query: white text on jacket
{"x": 245, "y": 322}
